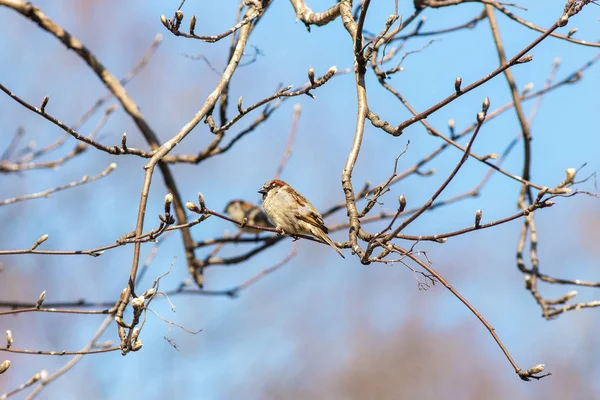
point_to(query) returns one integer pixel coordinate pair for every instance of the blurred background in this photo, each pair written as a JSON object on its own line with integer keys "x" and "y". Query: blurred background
{"x": 320, "y": 327}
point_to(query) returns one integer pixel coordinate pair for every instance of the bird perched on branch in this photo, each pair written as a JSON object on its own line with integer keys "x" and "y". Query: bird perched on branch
{"x": 240, "y": 209}
{"x": 292, "y": 213}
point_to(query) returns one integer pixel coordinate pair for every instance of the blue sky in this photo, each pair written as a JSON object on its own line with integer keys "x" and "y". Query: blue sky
{"x": 249, "y": 342}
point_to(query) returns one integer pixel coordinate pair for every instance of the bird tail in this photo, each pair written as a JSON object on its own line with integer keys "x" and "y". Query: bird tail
{"x": 321, "y": 235}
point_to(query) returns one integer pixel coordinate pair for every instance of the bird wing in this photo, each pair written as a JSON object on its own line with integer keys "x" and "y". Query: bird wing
{"x": 299, "y": 198}
{"x": 313, "y": 219}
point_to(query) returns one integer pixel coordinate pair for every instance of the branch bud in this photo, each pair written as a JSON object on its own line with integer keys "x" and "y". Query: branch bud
{"x": 44, "y": 104}
{"x": 193, "y": 208}
{"x": 570, "y": 175}
{"x": 239, "y": 105}
{"x": 572, "y": 32}
{"x": 192, "y": 24}
{"x": 4, "y": 366}
{"x": 537, "y": 369}
{"x": 402, "y": 202}
{"x": 527, "y": 88}
{"x": 201, "y": 202}
{"x": 41, "y": 240}
{"x": 491, "y": 156}
{"x": 168, "y": 202}
{"x": 457, "y": 84}
{"x": 478, "y": 215}
{"x": 311, "y": 75}
{"x": 165, "y": 22}
{"x": 571, "y": 294}
{"x": 40, "y": 299}
{"x": 178, "y": 19}
{"x": 525, "y": 59}
{"x": 485, "y": 105}
{"x": 9, "y": 338}
{"x": 480, "y": 117}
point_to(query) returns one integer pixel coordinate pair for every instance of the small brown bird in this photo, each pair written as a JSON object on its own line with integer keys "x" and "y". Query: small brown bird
{"x": 240, "y": 209}
{"x": 292, "y": 213}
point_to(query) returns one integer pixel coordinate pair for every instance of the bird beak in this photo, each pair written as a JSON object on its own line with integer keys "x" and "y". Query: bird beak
{"x": 262, "y": 190}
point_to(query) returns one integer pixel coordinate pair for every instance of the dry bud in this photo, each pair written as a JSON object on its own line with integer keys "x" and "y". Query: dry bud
{"x": 40, "y": 299}
{"x": 120, "y": 322}
{"x": 311, "y": 75}
{"x": 4, "y": 366}
{"x": 457, "y": 84}
{"x": 138, "y": 302}
{"x": 485, "y": 105}
{"x": 9, "y": 338}
{"x": 192, "y": 24}
{"x": 149, "y": 293}
{"x": 137, "y": 345}
{"x": 135, "y": 334}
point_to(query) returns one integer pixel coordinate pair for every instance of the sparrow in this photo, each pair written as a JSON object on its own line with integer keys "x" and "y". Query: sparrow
{"x": 292, "y": 213}
{"x": 240, "y": 209}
